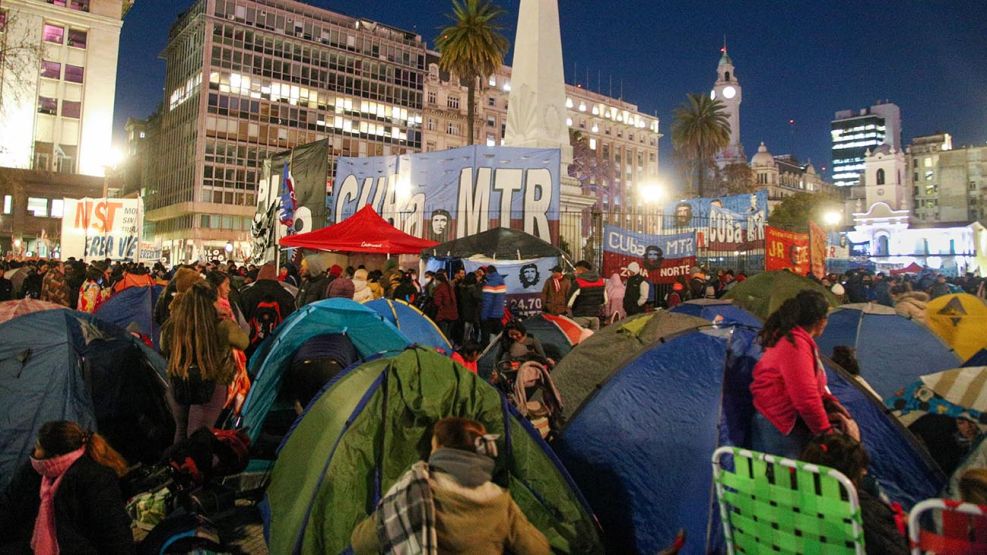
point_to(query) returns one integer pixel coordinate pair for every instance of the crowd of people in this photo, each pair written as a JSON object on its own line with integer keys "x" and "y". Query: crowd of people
{"x": 213, "y": 315}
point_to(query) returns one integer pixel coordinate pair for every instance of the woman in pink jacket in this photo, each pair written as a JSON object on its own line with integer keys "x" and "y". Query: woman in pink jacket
{"x": 789, "y": 388}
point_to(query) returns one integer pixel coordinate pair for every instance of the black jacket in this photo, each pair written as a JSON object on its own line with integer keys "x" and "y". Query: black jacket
{"x": 313, "y": 290}
{"x": 266, "y": 290}
{"x": 881, "y": 535}
{"x": 590, "y": 290}
{"x": 89, "y": 511}
{"x": 469, "y": 299}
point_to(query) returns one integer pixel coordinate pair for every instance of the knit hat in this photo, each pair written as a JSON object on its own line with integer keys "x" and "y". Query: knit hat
{"x": 267, "y": 271}
{"x": 360, "y": 274}
{"x": 185, "y": 278}
{"x": 318, "y": 263}
{"x": 677, "y": 286}
{"x": 336, "y": 270}
{"x": 838, "y": 290}
{"x": 634, "y": 268}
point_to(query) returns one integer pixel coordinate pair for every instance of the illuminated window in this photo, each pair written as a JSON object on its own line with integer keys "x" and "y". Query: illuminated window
{"x": 77, "y": 38}
{"x": 71, "y": 109}
{"x": 57, "y": 207}
{"x": 53, "y": 33}
{"x": 38, "y": 207}
{"x": 47, "y": 105}
{"x": 8, "y": 204}
{"x": 74, "y": 74}
{"x": 51, "y": 70}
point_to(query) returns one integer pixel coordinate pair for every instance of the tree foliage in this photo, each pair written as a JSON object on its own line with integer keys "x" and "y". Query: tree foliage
{"x": 794, "y": 212}
{"x": 737, "y": 179}
{"x": 700, "y": 130}
{"x": 472, "y": 47}
{"x": 19, "y": 55}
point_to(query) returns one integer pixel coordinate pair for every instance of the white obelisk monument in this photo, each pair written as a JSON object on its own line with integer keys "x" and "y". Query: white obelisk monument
{"x": 536, "y": 112}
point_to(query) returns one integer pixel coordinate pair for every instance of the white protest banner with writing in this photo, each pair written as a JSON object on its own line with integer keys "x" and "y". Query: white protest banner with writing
{"x": 95, "y": 229}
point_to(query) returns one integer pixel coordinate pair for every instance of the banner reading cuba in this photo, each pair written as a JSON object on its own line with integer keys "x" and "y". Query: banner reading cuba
{"x": 663, "y": 258}
{"x": 786, "y": 250}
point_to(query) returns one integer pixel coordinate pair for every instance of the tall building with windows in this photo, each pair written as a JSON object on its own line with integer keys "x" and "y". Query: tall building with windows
{"x": 246, "y": 79}
{"x": 58, "y": 85}
{"x": 619, "y": 154}
{"x": 856, "y": 132}
{"x": 948, "y": 184}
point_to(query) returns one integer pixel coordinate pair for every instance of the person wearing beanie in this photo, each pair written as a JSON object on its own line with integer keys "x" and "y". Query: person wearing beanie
{"x": 341, "y": 286}
{"x": 674, "y": 297}
{"x": 361, "y": 287}
{"x": 637, "y": 291}
{"x": 459, "y": 506}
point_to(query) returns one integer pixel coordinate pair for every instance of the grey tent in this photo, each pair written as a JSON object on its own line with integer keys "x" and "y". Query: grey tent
{"x": 498, "y": 243}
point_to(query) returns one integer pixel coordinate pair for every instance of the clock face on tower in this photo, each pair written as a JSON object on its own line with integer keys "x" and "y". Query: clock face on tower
{"x": 729, "y": 92}
{"x": 712, "y": 95}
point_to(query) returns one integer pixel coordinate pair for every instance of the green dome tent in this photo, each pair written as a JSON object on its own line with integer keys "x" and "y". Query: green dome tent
{"x": 766, "y": 292}
{"x": 366, "y": 430}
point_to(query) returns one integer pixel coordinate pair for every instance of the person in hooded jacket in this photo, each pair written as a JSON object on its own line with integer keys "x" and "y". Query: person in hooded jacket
{"x": 67, "y": 499}
{"x": 265, "y": 290}
{"x": 315, "y": 279}
{"x": 615, "y": 289}
{"x": 492, "y": 305}
{"x": 910, "y": 304}
{"x": 446, "y": 309}
{"x": 472, "y": 514}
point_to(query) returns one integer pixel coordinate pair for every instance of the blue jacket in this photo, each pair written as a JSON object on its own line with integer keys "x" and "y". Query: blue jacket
{"x": 494, "y": 298}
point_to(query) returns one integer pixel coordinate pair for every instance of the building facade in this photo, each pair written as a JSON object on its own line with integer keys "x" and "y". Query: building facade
{"x": 947, "y": 184}
{"x": 727, "y": 91}
{"x": 785, "y": 175}
{"x": 56, "y": 98}
{"x": 246, "y": 79}
{"x": 618, "y": 154}
{"x": 856, "y": 132}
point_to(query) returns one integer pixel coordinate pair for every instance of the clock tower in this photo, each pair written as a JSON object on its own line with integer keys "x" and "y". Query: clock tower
{"x": 727, "y": 90}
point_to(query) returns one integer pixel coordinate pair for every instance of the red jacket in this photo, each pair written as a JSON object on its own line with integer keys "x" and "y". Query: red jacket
{"x": 471, "y": 366}
{"x": 445, "y": 303}
{"x": 789, "y": 381}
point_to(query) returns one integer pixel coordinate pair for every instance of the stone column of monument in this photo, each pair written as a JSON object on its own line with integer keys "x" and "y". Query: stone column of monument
{"x": 536, "y": 111}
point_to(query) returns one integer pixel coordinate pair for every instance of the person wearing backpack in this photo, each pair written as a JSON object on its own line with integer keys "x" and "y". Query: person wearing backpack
{"x": 199, "y": 343}
{"x": 265, "y": 305}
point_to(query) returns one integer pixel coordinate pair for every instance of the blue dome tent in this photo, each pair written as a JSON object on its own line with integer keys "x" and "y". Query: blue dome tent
{"x": 369, "y": 333}
{"x": 893, "y": 351}
{"x": 410, "y": 321}
{"x": 635, "y": 445}
{"x": 718, "y": 311}
{"x": 133, "y": 305}
{"x": 68, "y": 365}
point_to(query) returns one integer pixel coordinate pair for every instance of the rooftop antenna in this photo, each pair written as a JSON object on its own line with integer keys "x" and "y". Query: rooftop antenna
{"x": 724, "y": 49}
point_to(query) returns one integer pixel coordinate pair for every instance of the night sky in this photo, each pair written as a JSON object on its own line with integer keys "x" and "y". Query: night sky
{"x": 800, "y": 60}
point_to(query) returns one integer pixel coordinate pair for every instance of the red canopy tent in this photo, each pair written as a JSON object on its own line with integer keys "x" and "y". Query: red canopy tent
{"x": 912, "y": 268}
{"x": 364, "y": 232}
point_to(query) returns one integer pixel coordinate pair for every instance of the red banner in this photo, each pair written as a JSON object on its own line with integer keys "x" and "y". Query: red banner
{"x": 817, "y": 250}
{"x": 786, "y": 250}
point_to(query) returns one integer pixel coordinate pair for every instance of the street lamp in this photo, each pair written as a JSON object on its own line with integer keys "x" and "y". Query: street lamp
{"x": 229, "y": 250}
{"x": 832, "y": 218}
{"x": 112, "y": 161}
{"x": 651, "y": 192}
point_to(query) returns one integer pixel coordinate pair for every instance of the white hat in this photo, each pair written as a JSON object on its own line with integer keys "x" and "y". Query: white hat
{"x": 634, "y": 268}
{"x": 838, "y": 290}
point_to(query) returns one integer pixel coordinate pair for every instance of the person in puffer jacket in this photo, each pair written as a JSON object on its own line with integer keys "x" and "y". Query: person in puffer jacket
{"x": 361, "y": 288}
{"x": 910, "y": 304}
{"x": 492, "y": 305}
{"x": 589, "y": 295}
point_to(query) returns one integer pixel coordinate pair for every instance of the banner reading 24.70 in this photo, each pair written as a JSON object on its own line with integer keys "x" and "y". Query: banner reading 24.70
{"x": 95, "y": 229}
{"x": 786, "y": 250}
{"x": 662, "y": 258}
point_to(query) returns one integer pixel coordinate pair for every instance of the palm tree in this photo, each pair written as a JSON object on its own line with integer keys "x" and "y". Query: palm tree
{"x": 701, "y": 129}
{"x": 472, "y": 47}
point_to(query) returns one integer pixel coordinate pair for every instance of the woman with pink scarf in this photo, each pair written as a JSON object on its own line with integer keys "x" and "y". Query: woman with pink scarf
{"x": 67, "y": 500}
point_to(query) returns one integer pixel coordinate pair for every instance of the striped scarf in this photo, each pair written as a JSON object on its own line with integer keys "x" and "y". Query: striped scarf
{"x": 406, "y": 515}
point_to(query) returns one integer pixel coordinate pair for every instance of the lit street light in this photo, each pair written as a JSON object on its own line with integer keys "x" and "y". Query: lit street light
{"x": 832, "y": 218}
{"x": 651, "y": 192}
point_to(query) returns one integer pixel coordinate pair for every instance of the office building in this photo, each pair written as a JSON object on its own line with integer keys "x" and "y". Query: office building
{"x": 246, "y": 79}
{"x": 621, "y": 143}
{"x": 948, "y": 184}
{"x": 856, "y": 132}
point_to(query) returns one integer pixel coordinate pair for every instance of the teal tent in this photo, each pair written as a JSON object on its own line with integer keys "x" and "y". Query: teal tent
{"x": 417, "y": 327}
{"x": 369, "y": 333}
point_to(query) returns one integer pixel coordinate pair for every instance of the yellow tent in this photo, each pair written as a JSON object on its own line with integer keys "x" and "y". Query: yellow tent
{"x": 961, "y": 321}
